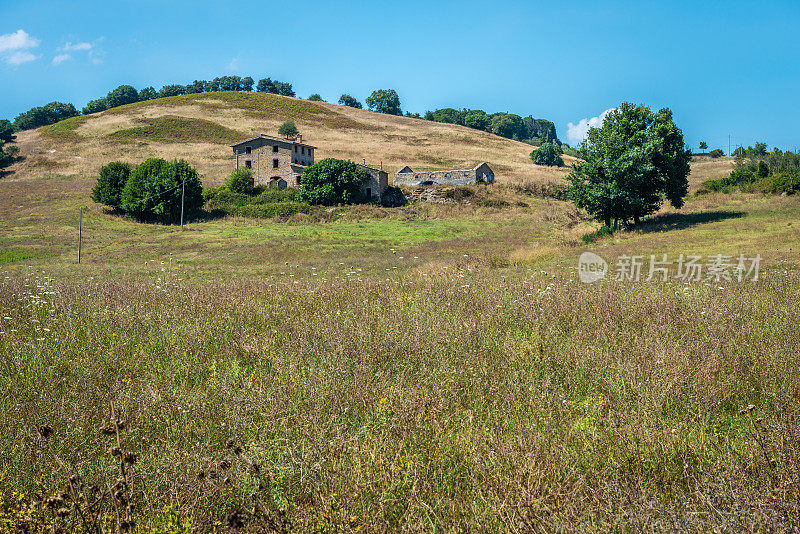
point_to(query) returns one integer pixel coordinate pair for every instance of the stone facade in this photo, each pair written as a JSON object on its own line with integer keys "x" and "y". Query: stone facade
{"x": 275, "y": 161}
{"x": 481, "y": 173}
{"x": 378, "y": 181}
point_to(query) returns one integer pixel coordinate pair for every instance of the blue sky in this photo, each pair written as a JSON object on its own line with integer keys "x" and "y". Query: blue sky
{"x": 723, "y": 67}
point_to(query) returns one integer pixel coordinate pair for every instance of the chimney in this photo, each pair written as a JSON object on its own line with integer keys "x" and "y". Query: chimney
{"x": 365, "y": 161}
{"x": 381, "y": 165}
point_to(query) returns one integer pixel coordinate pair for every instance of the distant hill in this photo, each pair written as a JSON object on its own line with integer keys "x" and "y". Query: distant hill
{"x": 199, "y": 128}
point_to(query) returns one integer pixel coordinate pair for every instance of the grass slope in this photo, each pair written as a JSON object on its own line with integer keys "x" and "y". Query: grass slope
{"x": 200, "y": 127}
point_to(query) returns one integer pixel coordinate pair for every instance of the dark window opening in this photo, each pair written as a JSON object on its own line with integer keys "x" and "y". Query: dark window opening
{"x": 295, "y": 148}
{"x": 248, "y": 149}
{"x": 275, "y": 148}
{"x": 369, "y": 192}
{"x": 298, "y": 180}
{"x": 248, "y": 164}
{"x": 275, "y": 163}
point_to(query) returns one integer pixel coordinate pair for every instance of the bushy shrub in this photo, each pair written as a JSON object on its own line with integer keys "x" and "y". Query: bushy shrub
{"x": 112, "y": 179}
{"x": 350, "y": 101}
{"x": 393, "y": 197}
{"x": 315, "y": 98}
{"x": 241, "y": 181}
{"x": 459, "y": 193}
{"x": 716, "y": 153}
{"x": 332, "y": 181}
{"x": 273, "y": 194}
{"x": 548, "y": 154}
{"x": 44, "y": 115}
{"x": 288, "y": 129}
{"x": 153, "y": 191}
{"x": 95, "y": 106}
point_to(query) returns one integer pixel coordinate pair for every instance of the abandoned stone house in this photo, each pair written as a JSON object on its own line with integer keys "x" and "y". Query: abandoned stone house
{"x": 275, "y": 161}
{"x": 481, "y": 173}
{"x": 377, "y": 183}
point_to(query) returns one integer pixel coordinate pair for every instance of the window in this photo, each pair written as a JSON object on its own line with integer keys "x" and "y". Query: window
{"x": 303, "y": 150}
{"x": 275, "y": 163}
{"x": 298, "y": 180}
{"x": 248, "y": 149}
{"x": 275, "y": 148}
{"x": 466, "y": 173}
{"x": 248, "y": 164}
{"x": 447, "y": 175}
{"x": 369, "y": 192}
{"x": 295, "y": 148}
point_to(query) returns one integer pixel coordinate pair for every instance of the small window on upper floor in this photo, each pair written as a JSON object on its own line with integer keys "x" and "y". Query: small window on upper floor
{"x": 275, "y": 148}
{"x": 248, "y": 149}
{"x": 295, "y": 148}
{"x": 275, "y": 163}
{"x": 447, "y": 175}
{"x": 248, "y": 164}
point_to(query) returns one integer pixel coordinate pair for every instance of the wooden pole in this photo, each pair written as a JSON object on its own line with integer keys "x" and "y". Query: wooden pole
{"x": 183, "y": 193}
{"x": 80, "y": 234}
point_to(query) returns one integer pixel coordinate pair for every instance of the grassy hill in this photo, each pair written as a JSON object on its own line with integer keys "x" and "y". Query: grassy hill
{"x": 200, "y": 127}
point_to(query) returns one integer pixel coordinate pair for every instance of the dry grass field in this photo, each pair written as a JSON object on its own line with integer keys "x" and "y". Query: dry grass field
{"x": 436, "y": 367}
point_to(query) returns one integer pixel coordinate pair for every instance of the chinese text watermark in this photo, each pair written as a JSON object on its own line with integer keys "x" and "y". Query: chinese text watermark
{"x": 686, "y": 268}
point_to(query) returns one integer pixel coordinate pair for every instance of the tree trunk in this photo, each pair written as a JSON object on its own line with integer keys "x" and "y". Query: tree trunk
{"x": 607, "y": 220}
{"x": 636, "y": 220}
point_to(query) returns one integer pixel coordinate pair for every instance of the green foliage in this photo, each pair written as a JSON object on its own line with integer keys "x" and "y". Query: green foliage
{"x": 716, "y": 153}
{"x": 273, "y": 194}
{"x": 315, "y": 98}
{"x": 384, "y": 101}
{"x": 703, "y": 145}
{"x": 755, "y": 169}
{"x": 591, "y": 237}
{"x": 506, "y": 125}
{"x": 288, "y": 129}
{"x": 148, "y": 93}
{"x": 44, "y": 115}
{"x": 272, "y": 209}
{"x": 347, "y": 100}
{"x": 259, "y": 202}
{"x": 632, "y": 163}
{"x": 95, "y": 106}
{"x": 446, "y": 115}
{"x": 240, "y": 181}
{"x": 153, "y": 191}
{"x": 171, "y": 90}
{"x": 112, "y": 179}
{"x": 548, "y": 154}
{"x": 6, "y": 132}
{"x": 477, "y": 119}
{"x": 393, "y": 197}
{"x": 275, "y": 87}
{"x": 124, "y": 94}
{"x": 332, "y": 181}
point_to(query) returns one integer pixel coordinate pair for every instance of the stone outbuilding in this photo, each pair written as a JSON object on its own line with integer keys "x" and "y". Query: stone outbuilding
{"x": 377, "y": 183}
{"x": 481, "y": 173}
{"x": 275, "y": 161}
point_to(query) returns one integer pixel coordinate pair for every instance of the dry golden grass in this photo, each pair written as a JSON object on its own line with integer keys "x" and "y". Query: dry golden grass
{"x": 705, "y": 168}
{"x": 80, "y": 147}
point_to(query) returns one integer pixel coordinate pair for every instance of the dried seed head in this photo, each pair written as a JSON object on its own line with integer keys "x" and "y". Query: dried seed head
{"x": 224, "y": 464}
{"x": 107, "y": 430}
{"x": 229, "y": 444}
{"x": 114, "y": 451}
{"x": 120, "y": 424}
{"x": 130, "y": 457}
{"x": 201, "y": 475}
{"x": 45, "y": 431}
{"x": 119, "y": 495}
{"x": 125, "y": 525}
{"x": 62, "y": 512}
{"x": 236, "y": 519}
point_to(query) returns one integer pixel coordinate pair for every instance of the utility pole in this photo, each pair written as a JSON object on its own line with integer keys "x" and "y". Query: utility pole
{"x": 183, "y": 193}
{"x": 80, "y": 234}
{"x": 729, "y": 145}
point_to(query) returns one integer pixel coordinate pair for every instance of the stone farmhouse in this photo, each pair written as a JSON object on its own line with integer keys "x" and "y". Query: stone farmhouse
{"x": 275, "y": 161}
{"x": 279, "y": 162}
{"x": 481, "y": 173}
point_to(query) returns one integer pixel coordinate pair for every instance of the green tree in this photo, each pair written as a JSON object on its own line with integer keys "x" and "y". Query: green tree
{"x": 124, "y": 94}
{"x": 95, "y": 106}
{"x": 241, "y": 181}
{"x": 288, "y": 129}
{"x": 631, "y": 164}
{"x": 507, "y": 125}
{"x": 110, "y": 183}
{"x": 6, "y": 132}
{"x": 43, "y": 115}
{"x": 154, "y": 187}
{"x": 477, "y": 119}
{"x": 246, "y": 84}
{"x": 332, "y": 181}
{"x": 148, "y": 93}
{"x": 315, "y": 98}
{"x": 350, "y": 101}
{"x": 384, "y": 101}
{"x": 446, "y": 115}
{"x": 171, "y": 90}
{"x": 548, "y": 154}
{"x": 197, "y": 86}
{"x": 703, "y": 146}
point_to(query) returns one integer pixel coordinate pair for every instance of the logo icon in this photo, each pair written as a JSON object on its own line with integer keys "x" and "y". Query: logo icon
{"x": 591, "y": 267}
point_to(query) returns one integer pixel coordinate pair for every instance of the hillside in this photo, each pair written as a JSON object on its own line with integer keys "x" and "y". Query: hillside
{"x": 200, "y": 127}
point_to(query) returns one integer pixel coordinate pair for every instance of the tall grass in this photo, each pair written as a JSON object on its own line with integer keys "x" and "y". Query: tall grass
{"x": 459, "y": 400}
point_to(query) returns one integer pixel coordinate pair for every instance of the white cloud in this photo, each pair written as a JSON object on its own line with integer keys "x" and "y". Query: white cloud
{"x": 233, "y": 66}
{"x": 61, "y": 58}
{"x": 68, "y": 50}
{"x": 75, "y": 47}
{"x": 576, "y": 133}
{"x": 15, "y": 47}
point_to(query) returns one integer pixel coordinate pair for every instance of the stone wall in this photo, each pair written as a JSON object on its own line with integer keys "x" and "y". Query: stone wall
{"x": 456, "y": 177}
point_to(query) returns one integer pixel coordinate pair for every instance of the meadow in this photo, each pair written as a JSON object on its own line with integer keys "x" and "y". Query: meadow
{"x": 436, "y": 367}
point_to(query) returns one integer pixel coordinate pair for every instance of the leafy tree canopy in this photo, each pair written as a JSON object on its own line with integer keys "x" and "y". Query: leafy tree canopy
{"x": 288, "y": 129}
{"x": 332, "y": 181}
{"x": 154, "y": 187}
{"x": 6, "y": 132}
{"x": 347, "y": 100}
{"x": 43, "y": 115}
{"x": 95, "y": 106}
{"x": 275, "y": 87}
{"x": 112, "y": 179}
{"x": 548, "y": 154}
{"x": 241, "y": 181}
{"x": 316, "y": 98}
{"x": 632, "y": 163}
{"x": 384, "y": 101}
{"x": 124, "y": 94}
